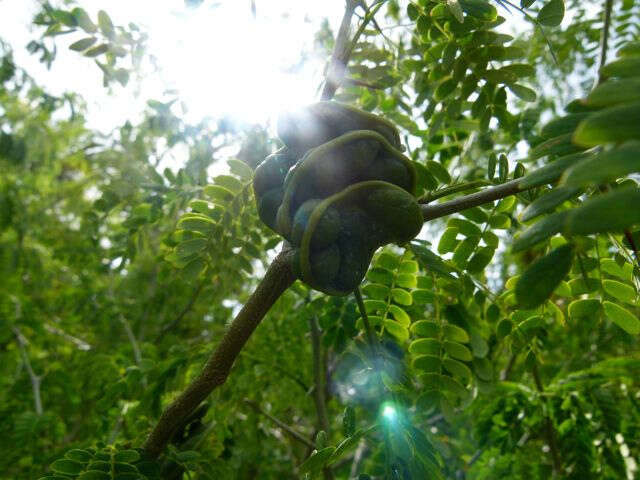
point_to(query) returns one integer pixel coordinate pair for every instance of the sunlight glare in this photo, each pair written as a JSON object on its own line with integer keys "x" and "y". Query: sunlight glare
{"x": 223, "y": 61}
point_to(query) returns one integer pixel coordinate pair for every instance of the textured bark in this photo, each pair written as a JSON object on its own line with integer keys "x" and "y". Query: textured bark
{"x": 215, "y": 372}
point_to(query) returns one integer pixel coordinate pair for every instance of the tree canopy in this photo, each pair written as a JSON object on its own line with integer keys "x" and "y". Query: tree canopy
{"x": 153, "y": 327}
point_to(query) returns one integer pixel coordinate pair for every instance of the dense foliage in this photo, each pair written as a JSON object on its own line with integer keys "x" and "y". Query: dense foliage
{"x": 505, "y": 337}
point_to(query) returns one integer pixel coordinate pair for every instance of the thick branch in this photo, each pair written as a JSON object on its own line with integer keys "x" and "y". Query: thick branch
{"x": 35, "y": 379}
{"x": 215, "y": 372}
{"x": 298, "y": 436}
{"x": 430, "y": 212}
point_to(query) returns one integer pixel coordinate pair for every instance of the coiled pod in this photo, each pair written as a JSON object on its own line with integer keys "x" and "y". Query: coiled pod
{"x": 354, "y": 157}
{"x": 268, "y": 180}
{"x": 368, "y": 215}
{"x": 339, "y": 190}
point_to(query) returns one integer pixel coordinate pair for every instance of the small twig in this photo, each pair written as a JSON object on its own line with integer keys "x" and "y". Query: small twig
{"x": 506, "y": 373}
{"x": 137, "y": 355}
{"x": 296, "y": 379}
{"x": 296, "y": 435}
{"x": 604, "y": 38}
{"x": 35, "y": 379}
{"x": 81, "y": 344}
{"x": 185, "y": 310}
{"x": 371, "y": 338}
{"x": 319, "y": 385}
{"x": 549, "y": 430}
{"x": 318, "y": 375}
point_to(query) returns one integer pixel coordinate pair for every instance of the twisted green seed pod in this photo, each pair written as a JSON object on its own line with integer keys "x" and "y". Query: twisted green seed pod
{"x": 268, "y": 179}
{"x": 339, "y": 190}
{"x": 377, "y": 213}
{"x": 343, "y": 161}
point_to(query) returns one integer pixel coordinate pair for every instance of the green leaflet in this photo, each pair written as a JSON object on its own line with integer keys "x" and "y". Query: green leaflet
{"x": 610, "y": 212}
{"x": 623, "y": 68}
{"x": 552, "y": 171}
{"x": 317, "y": 460}
{"x": 605, "y": 167}
{"x": 562, "y": 125}
{"x": 541, "y": 230}
{"x": 620, "y": 291}
{"x": 524, "y": 93}
{"x": 539, "y": 281}
{"x": 548, "y": 202}
{"x": 560, "y": 145}
{"x": 622, "y": 317}
{"x": 479, "y": 9}
{"x": 552, "y": 13}
{"x": 615, "y": 92}
{"x": 615, "y": 124}
{"x": 583, "y": 308}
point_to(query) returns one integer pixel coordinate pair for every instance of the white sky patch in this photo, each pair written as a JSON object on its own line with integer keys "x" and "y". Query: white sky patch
{"x": 219, "y": 59}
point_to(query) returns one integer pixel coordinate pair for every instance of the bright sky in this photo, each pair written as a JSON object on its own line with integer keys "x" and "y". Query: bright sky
{"x": 221, "y": 60}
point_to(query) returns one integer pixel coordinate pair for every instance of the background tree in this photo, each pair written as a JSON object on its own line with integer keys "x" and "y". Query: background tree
{"x": 505, "y": 338}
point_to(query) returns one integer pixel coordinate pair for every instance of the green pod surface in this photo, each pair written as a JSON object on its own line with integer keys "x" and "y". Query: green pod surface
{"x": 268, "y": 205}
{"x": 331, "y": 167}
{"x": 271, "y": 172}
{"x": 327, "y": 229}
{"x": 396, "y": 212}
{"x": 392, "y": 170}
{"x": 321, "y": 122}
{"x": 360, "y": 233}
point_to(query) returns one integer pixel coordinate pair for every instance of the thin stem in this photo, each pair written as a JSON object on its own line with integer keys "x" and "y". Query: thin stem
{"x": 35, "y": 379}
{"x": 276, "y": 280}
{"x": 78, "y": 342}
{"x": 294, "y": 434}
{"x": 185, "y": 310}
{"x": 604, "y": 38}
{"x": 274, "y": 365}
{"x": 461, "y": 187}
{"x": 137, "y": 355}
{"x": 371, "y": 339}
{"x": 549, "y": 430}
{"x": 319, "y": 385}
{"x": 430, "y": 212}
{"x": 318, "y": 375}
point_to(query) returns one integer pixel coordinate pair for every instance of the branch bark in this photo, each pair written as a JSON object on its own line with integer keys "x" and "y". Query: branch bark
{"x": 276, "y": 280}
{"x": 430, "y": 212}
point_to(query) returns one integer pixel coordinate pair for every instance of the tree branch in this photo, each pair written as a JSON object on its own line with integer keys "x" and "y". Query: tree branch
{"x": 296, "y": 435}
{"x": 430, "y": 212}
{"x": 35, "y": 379}
{"x": 276, "y": 280}
{"x": 340, "y": 55}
